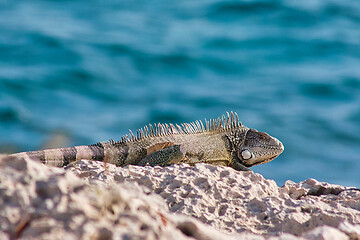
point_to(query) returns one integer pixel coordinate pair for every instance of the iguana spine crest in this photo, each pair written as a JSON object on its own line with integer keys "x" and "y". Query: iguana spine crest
{"x": 225, "y": 123}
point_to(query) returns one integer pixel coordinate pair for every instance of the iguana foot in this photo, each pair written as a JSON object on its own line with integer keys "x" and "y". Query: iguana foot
{"x": 169, "y": 155}
{"x": 239, "y": 167}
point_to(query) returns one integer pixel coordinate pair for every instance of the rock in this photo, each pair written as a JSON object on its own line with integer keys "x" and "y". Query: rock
{"x": 353, "y": 231}
{"x": 96, "y": 200}
{"x": 234, "y": 202}
{"x": 325, "y": 233}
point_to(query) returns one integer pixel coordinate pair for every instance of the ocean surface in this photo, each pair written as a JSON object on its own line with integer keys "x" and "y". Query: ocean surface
{"x": 87, "y": 71}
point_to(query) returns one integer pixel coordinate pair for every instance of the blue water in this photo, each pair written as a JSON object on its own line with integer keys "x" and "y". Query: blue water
{"x": 92, "y": 70}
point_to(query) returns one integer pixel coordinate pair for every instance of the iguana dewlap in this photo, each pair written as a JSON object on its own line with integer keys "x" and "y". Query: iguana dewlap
{"x": 223, "y": 141}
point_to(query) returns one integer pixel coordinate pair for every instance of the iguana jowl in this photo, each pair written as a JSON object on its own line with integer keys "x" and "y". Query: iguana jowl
{"x": 223, "y": 141}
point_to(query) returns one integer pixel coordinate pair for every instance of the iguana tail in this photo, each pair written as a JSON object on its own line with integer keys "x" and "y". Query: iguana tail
{"x": 60, "y": 157}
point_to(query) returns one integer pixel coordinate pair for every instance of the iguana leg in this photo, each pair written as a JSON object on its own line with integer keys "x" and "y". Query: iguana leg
{"x": 238, "y": 166}
{"x": 169, "y": 155}
{"x": 235, "y": 164}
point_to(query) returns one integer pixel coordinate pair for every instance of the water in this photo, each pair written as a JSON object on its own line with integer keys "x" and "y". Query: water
{"x": 91, "y": 71}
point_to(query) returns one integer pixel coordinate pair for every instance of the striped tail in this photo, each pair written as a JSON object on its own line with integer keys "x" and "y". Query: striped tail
{"x": 61, "y": 157}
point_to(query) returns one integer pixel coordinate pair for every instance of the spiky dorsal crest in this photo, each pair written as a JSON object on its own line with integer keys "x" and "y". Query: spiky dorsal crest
{"x": 225, "y": 123}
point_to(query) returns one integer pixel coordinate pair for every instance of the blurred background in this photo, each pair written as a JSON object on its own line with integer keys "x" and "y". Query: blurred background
{"x": 79, "y": 72}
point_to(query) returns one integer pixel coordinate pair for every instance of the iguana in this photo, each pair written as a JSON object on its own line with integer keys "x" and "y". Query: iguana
{"x": 222, "y": 141}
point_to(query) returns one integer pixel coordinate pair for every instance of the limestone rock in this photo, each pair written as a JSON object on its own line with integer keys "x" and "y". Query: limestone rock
{"x": 96, "y": 200}
{"x": 325, "y": 233}
{"x": 234, "y": 202}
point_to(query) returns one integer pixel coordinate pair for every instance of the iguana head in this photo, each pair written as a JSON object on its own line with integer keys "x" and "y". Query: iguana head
{"x": 254, "y": 148}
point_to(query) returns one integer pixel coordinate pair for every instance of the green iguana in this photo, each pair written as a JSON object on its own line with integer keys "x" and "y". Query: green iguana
{"x": 223, "y": 141}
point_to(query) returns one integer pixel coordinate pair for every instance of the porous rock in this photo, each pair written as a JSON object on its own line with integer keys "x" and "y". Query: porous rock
{"x": 96, "y": 200}
{"x": 325, "y": 233}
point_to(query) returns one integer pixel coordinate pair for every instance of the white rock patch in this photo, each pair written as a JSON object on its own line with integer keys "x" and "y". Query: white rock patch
{"x": 97, "y": 200}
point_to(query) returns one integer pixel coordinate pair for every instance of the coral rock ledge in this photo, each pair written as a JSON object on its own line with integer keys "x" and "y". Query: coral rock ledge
{"x": 93, "y": 200}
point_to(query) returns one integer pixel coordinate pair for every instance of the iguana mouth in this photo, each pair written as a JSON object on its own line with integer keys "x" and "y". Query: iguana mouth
{"x": 261, "y": 162}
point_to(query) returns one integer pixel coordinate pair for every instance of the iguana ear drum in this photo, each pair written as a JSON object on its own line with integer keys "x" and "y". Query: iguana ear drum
{"x": 246, "y": 154}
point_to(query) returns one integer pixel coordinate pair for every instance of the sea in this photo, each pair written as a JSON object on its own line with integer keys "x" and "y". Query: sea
{"x": 80, "y": 72}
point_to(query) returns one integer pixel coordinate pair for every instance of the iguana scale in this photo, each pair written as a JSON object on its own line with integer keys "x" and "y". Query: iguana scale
{"x": 223, "y": 141}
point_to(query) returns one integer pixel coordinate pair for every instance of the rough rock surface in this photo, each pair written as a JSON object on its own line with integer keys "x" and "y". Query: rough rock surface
{"x": 93, "y": 200}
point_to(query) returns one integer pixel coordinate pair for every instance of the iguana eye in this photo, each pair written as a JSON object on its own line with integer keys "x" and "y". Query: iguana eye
{"x": 246, "y": 154}
{"x": 264, "y": 136}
